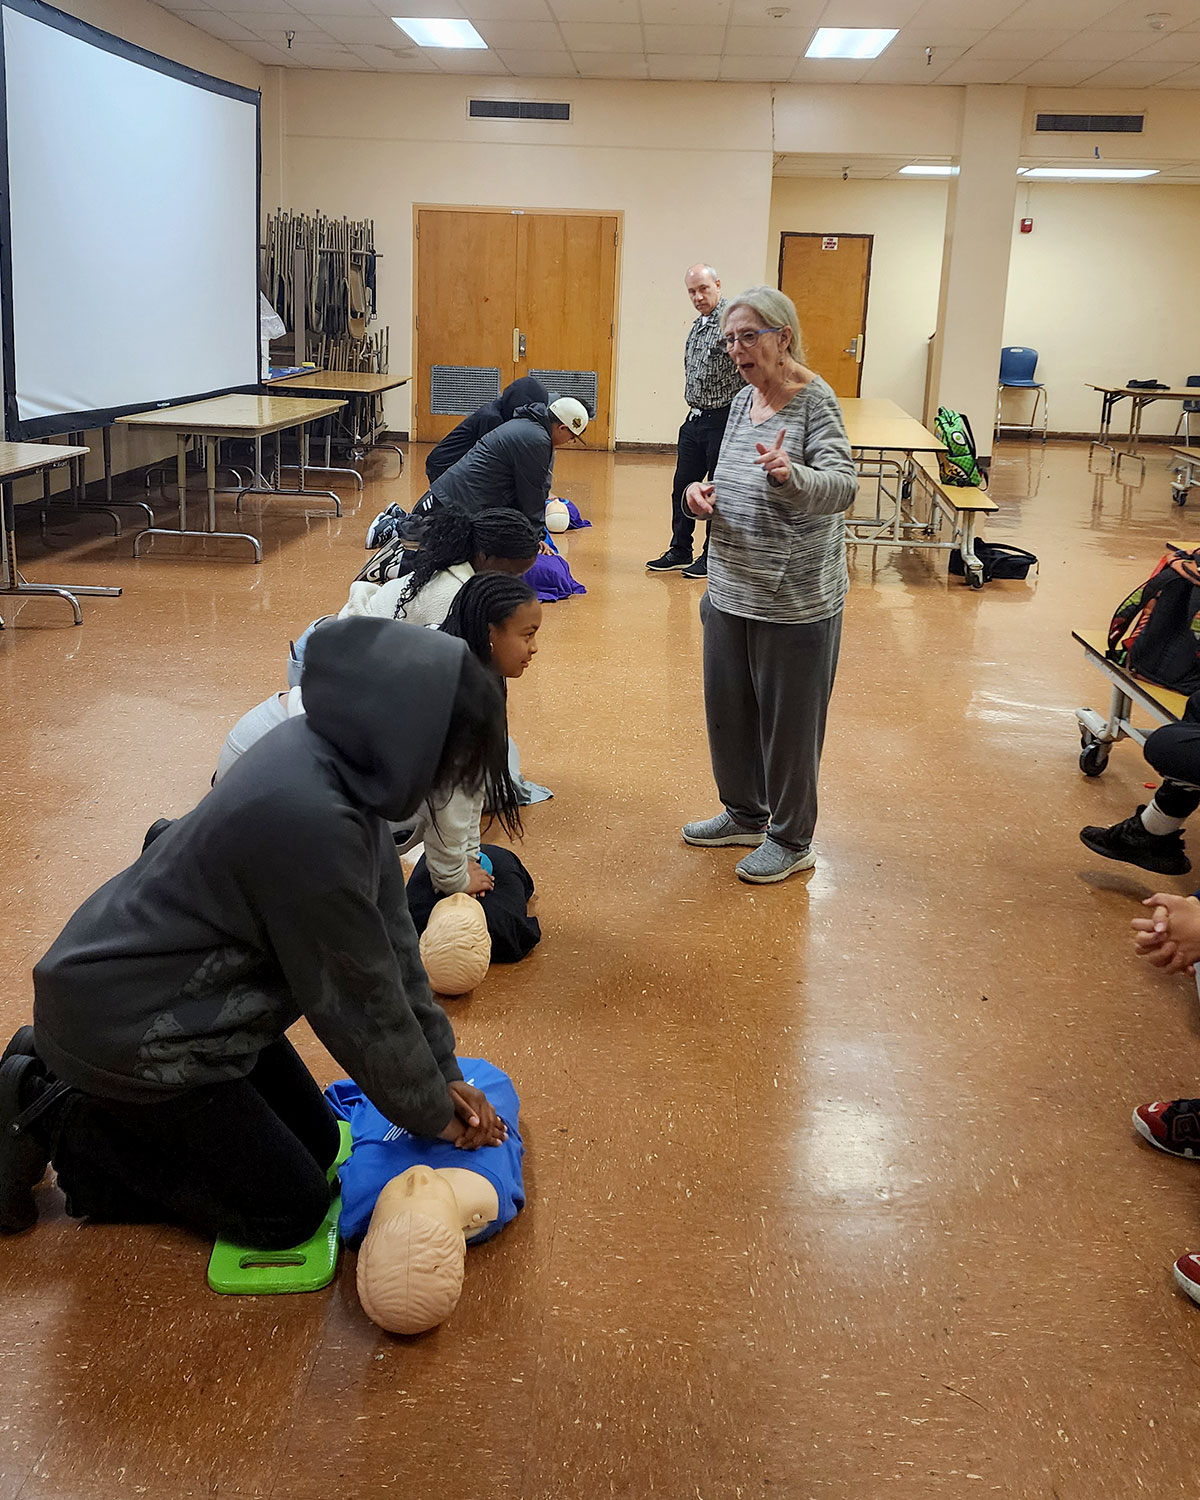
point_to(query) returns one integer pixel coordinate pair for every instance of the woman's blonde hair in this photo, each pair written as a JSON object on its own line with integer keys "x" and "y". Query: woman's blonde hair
{"x": 773, "y": 310}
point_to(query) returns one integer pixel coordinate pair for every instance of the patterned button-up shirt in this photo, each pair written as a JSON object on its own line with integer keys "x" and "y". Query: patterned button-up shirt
{"x": 710, "y": 377}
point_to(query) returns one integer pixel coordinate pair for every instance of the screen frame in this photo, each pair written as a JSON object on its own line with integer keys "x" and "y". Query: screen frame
{"x": 15, "y": 429}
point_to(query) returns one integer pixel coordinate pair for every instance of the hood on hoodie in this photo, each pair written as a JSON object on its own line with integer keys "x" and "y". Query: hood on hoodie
{"x": 536, "y": 411}
{"x": 380, "y": 692}
{"x": 521, "y": 393}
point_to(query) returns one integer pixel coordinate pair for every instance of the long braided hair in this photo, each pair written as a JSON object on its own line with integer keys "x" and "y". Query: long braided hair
{"x": 483, "y": 601}
{"x": 450, "y": 536}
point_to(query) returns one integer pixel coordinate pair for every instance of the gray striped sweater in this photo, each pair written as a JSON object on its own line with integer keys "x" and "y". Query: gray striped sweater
{"x": 777, "y": 552}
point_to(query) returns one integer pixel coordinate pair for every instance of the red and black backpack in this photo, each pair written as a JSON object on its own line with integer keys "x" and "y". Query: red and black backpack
{"x": 1155, "y": 632}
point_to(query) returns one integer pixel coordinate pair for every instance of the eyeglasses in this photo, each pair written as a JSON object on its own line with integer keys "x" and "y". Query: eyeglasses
{"x": 749, "y": 338}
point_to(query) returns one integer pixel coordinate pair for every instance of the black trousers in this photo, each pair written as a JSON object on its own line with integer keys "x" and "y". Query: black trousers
{"x": 1174, "y": 752}
{"x": 512, "y": 931}
{"x": 246, "y": 1159}
{"x": 695, "y": 459}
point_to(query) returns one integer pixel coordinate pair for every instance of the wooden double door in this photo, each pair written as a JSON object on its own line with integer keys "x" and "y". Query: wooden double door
{"x": 828, "y": 277}
{"x": 504, "y": 293}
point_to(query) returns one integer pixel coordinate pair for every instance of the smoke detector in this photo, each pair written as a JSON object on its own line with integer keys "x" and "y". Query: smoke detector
{"x": 1157, "y": 20}
{"x": 777, "y": 12}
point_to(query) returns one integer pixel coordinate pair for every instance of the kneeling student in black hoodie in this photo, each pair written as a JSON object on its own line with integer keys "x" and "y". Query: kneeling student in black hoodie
{"x": 157, "y": 1075}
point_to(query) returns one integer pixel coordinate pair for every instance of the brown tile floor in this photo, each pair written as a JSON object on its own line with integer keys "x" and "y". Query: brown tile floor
{"x": 833, "y": 1194}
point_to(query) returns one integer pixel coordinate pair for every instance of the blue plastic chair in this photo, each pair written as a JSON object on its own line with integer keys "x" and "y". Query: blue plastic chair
{"x": 1017, "y": 367}
{"x": 1185, "y": 413}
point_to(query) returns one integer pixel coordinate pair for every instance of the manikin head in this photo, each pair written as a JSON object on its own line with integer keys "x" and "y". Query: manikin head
{"x": 558, "y": 517}
{"x": 410, "y": 1265}
{"x": 703, "y": 288}
{"x": 456, "y": 947}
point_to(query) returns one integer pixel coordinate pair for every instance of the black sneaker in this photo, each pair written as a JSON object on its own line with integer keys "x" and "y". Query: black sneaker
{"x": 671, "y": 559}
{"x": 698, "y": 569}
{"x": 23, "y": 1161}
{"x": 1162, "y": 853}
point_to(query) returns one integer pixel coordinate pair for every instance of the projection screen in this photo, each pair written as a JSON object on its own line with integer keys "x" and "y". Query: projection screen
{"x": 129, "y": 228}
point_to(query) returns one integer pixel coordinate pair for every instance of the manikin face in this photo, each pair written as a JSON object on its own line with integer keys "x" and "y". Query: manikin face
{"x": 514, "y": 566}
{"x": 421, "y": 1190}
{"x": 704, "y": 290}
{"x": 514, "y": 640}
{"x": 760, "y": 365}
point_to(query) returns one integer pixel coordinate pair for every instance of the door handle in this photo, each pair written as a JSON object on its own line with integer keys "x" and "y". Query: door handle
{"x": 853, "y": 349}
{"x": 518, "y": 345}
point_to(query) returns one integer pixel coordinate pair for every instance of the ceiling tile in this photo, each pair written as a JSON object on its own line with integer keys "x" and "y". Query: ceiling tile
{"x": 1131, "y": 16}
{"x": 910, "y": 70}
{"x": 801, "y": 13}
{"x": 1101, "y": 46}
{"x": 585, "y": 37}
{"x": 1133, "y": 75}
{"x": 685, "y": 12}
{"x": 523, "y": 36}
{"x": 178, "y": 5}
{"x": 685, "y": 66}
{"x": 299, "y": 56}
{"x": 883, "y": 13}
{"x": 465, "y": 60}
{"x": 766, "y": 41}
{"x": 597, "y": 11}
{"x": 394, "y": 60}
{"x": 1188, "y": 79}
{"x": 361, "y": 8}
{"x": 912, "y": 43}
{"x": 756, "y": 69}
{"x": 822, "y": 70}
{"x": 263, "y": 52}
{"x": 242, "y": 8}
{"x": 547, "y": 64}
{"x": 611, "y": 65}
{"x": 501, "y": 10}
{"x": 978, "y": 13}
{"x": 1078, "y": 13}
{"x": 1017, "y": 46}
{"x": 217, "y": 25}
{"x": 272, "y": 27}
{"x": 362, "y": 30}
{"x": 1055, "y": 73}
{"x": 970, "y": 70}
{"x": 1183, "y": 47}
{"x": 685, "y": 39}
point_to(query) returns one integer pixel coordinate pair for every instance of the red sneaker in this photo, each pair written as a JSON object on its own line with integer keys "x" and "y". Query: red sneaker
{"x": 1187, "y": 1275}
{"x": 1172, "y": 1125}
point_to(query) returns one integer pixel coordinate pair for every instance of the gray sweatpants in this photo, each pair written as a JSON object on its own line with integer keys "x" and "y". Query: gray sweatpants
{"x": 766, "y": 692}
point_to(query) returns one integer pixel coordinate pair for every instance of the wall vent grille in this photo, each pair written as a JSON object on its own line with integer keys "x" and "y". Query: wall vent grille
{"x": 516, "y": 109}
{"x": 1090, "y": 124}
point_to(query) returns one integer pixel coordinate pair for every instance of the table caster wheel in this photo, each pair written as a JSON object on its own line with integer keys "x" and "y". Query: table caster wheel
{"x": 1093, "y": 758}
{"x": 975, "y": 577}
{"x": 1179, "y": 494}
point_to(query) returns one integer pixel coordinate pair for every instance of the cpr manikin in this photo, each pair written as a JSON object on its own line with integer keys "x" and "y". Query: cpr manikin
{"x": 456, "y": 947}
{"x": 410, "y": 1266}
{"x": 558, "y": 517}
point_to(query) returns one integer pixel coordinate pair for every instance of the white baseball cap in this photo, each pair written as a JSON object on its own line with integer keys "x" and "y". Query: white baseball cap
{"x": 571, "y": 413}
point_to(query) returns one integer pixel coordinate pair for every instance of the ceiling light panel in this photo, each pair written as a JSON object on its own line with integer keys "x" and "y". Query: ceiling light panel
{"x": 1090, "y": 174}
{"x": 429, "y": 31}
{"x": 857, "y": 42}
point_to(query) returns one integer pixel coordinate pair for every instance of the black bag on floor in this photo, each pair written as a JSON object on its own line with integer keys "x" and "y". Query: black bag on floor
{"x": 1155, "y": 632}
{"x": 997, "y": 561}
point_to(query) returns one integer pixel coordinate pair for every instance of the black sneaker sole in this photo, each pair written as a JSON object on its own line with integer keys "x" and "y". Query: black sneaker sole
{"x": 661, "y": 567}
{"x": 1144, "y": 861}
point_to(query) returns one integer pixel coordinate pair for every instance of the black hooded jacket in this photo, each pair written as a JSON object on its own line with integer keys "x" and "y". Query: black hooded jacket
{"x": 457, "y": 444}
{"x": 279, "y": 896}
{"x": 511, "y": 467}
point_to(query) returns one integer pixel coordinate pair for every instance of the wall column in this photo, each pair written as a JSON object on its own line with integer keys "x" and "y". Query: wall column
{"x": 979, "y": 229}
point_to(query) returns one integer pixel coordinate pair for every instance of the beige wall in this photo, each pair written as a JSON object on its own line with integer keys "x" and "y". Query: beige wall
{"x": 688, "y": 165}
{"x": 1104, "y": 289}
{"x": 908, "y": 221}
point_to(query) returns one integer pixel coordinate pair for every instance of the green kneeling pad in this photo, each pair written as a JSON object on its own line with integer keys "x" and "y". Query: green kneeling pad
{"x": 240, "y": 1270}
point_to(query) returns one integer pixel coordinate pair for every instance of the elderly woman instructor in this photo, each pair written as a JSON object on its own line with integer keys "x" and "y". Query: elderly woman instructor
{"x": 776, "y": 583}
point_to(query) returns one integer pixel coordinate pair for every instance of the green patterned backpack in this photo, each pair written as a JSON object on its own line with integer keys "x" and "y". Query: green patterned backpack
{"x": 958, "y": 465}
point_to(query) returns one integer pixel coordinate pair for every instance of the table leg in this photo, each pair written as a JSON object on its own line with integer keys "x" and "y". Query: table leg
{"x": 210, "y": 466}
{"x": 274, "y": 486}
{"x": 15, "y": 581}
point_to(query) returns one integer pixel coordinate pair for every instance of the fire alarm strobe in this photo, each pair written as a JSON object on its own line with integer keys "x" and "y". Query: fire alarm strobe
{"x": 1026, "y": 226}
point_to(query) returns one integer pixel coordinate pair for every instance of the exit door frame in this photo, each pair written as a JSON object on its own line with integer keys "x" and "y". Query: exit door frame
{"x": 810, "y": 234}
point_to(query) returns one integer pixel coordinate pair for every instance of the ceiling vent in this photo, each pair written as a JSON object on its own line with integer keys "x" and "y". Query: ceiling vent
{"x": 1090, "y": 124}
{"x": 516, "y": 109}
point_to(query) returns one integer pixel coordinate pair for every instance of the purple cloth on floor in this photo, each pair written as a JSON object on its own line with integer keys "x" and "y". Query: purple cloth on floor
{"x": 550, "y": 578}
{"x": 577, "y": 522}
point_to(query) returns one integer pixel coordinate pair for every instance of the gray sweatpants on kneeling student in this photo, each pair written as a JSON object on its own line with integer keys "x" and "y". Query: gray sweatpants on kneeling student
{"x": 766, "y": 692}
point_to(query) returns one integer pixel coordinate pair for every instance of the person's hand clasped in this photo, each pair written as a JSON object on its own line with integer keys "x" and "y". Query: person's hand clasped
{"x": 482, "y": 1126}
{"x": 479, "y": 882}
{"x": 775, "y": 459}
{"x": 699, "y": 498}
{"x": 1170, "y": 937}
{"x": 545, "y": 549}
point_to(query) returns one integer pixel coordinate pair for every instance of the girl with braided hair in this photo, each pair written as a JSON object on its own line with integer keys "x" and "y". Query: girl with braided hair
{"x": 454, "y": 546}
{"x": 497, "y": 616}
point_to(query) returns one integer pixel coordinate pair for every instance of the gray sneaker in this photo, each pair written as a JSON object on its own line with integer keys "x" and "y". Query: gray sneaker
{"x": 713, "y": 833}
{"x": 771, "y": 862}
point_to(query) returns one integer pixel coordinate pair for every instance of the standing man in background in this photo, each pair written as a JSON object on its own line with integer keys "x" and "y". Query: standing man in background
{"x": 710, "y": 382}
